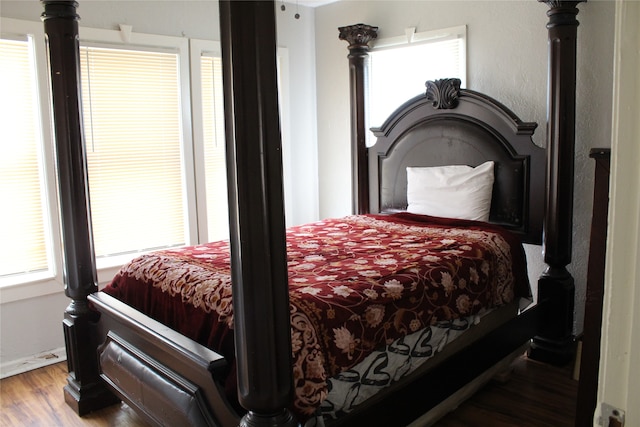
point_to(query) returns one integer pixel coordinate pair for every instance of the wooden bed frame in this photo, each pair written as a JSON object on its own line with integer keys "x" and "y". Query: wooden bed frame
{"x": 170, "y": 379}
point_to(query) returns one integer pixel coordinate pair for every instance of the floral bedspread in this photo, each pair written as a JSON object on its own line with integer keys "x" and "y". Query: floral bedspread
{"x": 356, "y": 283}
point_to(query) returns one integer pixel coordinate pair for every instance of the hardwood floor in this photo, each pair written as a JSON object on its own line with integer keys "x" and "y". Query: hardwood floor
{"x": 35, "y": 399}
{"x": 536, "y": 395}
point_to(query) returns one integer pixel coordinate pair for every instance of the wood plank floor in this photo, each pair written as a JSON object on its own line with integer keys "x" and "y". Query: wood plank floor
{"x": 536, "y": 395}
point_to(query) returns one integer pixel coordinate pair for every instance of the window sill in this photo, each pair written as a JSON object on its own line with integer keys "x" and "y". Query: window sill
{"x": 45, "y": 284}
{"x": 32, "y": 289}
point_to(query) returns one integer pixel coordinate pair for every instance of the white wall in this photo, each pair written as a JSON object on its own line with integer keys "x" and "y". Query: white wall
{"x": 507, "y": 59}
{"x": 33, "y": 326}
{"x": 620, "y": 347}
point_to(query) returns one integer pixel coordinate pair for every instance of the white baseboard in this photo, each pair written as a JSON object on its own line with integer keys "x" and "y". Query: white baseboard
{"x": 36, "y": 361}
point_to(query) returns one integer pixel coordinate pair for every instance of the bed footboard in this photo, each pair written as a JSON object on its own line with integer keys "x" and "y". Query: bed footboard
{"x": 167, "y": 378}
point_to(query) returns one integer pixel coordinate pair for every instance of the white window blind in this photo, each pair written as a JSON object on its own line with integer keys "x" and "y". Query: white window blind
{"x": 22, "y": 226}
{"x": 131, "y": 102}
{"x": 400, "y": 67}
{"x": 214, "y": 147}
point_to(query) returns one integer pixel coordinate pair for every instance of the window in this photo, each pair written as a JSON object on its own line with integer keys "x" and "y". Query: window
{"x": 132, "y": 128}
{"x": 408, "y": 62}
{"x": 154, "y": 136}
{"x": 209, "y": 133}
{"x": 28, "y": 255}
{"x": 137, "y": 132}
{"x": 209, "y": 136}
{"x": 21, "y": 178}
{"x": 214, "y": 147}
{"x": 137, "y": 127}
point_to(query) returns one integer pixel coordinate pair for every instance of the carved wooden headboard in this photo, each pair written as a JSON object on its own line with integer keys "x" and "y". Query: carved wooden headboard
{"x": 452, "y": 126}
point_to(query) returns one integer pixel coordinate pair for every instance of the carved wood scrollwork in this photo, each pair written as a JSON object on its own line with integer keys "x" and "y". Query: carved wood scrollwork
{"x": 358, "y": 35}
{"x": 444, "y": 93}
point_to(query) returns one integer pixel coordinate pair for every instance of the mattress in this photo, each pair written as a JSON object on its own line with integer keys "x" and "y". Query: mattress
{"x": 357, "y": 284}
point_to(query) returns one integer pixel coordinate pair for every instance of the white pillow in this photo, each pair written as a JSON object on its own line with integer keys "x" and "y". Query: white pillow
{"x": 456, "y": 191}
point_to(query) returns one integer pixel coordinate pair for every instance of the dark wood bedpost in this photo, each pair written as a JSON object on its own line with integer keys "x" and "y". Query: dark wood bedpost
{"x": 85, "y": 391}
{"x": 358, "y": 36}
{"x": 256, "y": 213}
{"x": 555, "y": 342}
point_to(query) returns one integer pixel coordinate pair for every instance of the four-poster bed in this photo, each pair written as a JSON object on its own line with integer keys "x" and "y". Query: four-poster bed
{"x": 116, "y": 352}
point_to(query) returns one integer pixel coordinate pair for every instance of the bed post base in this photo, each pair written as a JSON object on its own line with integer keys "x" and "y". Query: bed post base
{"x": 284, "y": 419}
{"x": 555, "y": 342}
{"x": 85, "y": 392}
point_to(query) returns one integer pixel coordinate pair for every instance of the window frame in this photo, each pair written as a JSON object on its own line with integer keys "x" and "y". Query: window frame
{"x": 28, "y": 285}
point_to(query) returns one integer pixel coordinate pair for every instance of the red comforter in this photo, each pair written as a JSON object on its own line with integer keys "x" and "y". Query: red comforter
{"x": 356, "y": 283}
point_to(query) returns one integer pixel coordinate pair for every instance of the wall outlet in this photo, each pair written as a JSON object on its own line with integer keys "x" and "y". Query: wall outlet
{"x": 611, "y": 416}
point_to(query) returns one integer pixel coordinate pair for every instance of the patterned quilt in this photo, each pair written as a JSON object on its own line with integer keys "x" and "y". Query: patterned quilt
{"x": 356, "y": 284}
